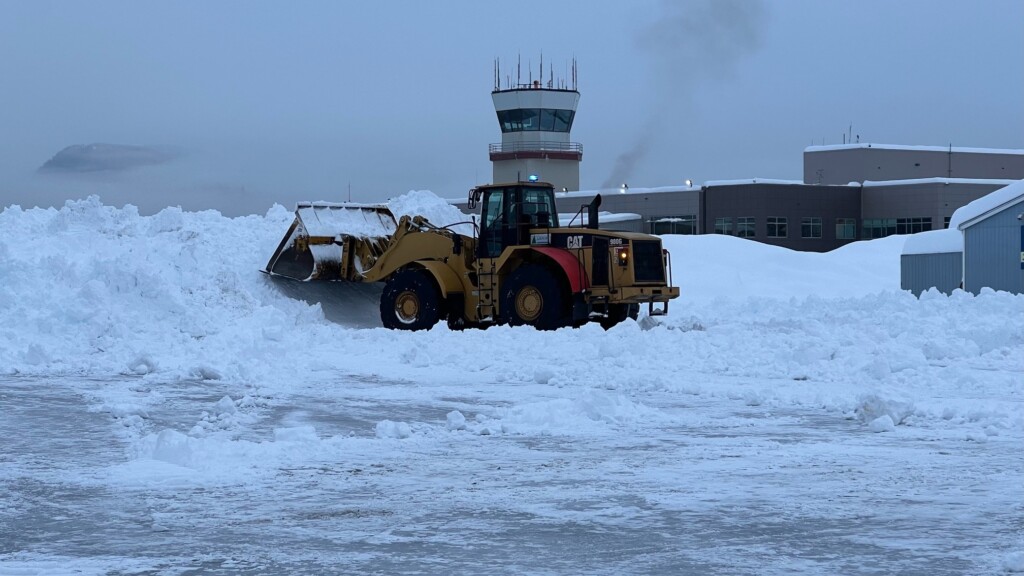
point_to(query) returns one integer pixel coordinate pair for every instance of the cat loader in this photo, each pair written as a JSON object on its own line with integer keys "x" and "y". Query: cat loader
{"x": 519, "y": 267}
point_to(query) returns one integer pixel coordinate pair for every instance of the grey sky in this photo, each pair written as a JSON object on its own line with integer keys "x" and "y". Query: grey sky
{"x": 276, "y": 102}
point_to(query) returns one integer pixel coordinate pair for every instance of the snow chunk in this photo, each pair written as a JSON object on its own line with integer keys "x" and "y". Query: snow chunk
{"x": 978, "y": 436}
{"x": 389, "y": 429}
{"x": 167, "y": 220}
{"x": 872, "y": 408}
{"x": 883, "y": 423}
{"x": 1014, "y": 562}
{"x": 206, "y": 373}
{"x": 591, "y": 411}
{"x": 456, "y": 421}
{"x": 141, "y": 365}
{"x": 543, "y": 375}
{"x": 225, "y": 406}
{"x": 295, "y": 434}
{"x": 173, "y": 447}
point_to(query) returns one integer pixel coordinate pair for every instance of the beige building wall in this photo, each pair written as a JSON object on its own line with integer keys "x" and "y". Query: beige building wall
{"x": 875, "y": 162}
{"x": 559, "y": 173}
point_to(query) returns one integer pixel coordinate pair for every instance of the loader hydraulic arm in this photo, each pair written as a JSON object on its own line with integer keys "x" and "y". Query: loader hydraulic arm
{"x": 414, "y": 239}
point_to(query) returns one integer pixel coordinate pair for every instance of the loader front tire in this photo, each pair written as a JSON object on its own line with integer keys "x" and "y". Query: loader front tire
{"x": 532, "y": 296}
{"x": 411, "y": 300}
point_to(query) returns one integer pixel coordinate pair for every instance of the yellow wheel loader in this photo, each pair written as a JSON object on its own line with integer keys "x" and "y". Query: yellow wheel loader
{"x": 519, "y": 267}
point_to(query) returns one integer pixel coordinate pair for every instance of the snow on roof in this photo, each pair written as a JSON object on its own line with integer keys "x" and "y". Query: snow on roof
{"x": 751, "y": 181}
{"x": 565, "y": 218}
{"x": 908, "y": 182}
{"x": 956, "y": 149}
{"x": 934, "y": 242}
{"x": 611, "y": 191}
{"x": 968, "y": 215}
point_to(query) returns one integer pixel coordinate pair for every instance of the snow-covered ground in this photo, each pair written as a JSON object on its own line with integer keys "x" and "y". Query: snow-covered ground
{"x": 165, "y": 409}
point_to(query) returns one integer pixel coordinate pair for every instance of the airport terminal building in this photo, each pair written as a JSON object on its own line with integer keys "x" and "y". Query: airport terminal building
{"x": 849, "y": 192}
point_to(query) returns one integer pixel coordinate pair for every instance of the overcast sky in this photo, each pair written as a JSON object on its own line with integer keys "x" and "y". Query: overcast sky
{"x": 267, "y": 102}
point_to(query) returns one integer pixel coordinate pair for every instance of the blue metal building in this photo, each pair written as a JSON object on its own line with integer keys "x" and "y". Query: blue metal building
{"x": 993, "y": 236}
{"x": 932, "y": 259}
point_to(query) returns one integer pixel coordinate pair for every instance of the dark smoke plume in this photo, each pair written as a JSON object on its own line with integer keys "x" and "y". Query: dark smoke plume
{"x": 691, "y": 42}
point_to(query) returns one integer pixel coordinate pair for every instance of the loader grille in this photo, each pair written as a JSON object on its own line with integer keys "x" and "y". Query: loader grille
{"x": 648, "y": 265}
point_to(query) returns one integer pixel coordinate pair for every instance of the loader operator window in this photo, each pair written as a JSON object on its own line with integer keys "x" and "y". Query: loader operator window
{"x": 509, "y": 214}
{"x": 539, "y": 207}
{"x": 499, "y": 221}
{"x": 493, "y": 208}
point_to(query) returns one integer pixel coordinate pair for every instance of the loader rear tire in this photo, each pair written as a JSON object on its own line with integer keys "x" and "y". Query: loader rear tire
{"x": 532, "y": 296}
{"x": 411, "y": 300}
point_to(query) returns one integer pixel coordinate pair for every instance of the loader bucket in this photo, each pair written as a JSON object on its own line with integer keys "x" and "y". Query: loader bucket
{"x": 352, "y": 304}
{"x": 332, "y": 241}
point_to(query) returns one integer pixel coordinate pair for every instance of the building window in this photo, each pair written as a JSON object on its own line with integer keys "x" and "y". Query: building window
{"x": 686, "y": 224}
{"x": 945, "y": 222}
{"x": 913, "y": 225}
{"x": 528, "y": 119}
{"x": 810, "y": 227}
{"x": 777, "y": 227}
{"x": 846, "y": 229}
{"x": 745, "y": 227}
{"x": 878, "y": 227}
{"x": 723, "y": 226}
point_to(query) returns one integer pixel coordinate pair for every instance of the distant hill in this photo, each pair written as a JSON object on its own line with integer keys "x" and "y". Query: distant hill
{"x": 83, "y": 158}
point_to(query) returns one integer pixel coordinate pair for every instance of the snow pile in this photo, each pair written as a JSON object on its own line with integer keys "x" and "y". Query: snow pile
{"x": 179, "y": 296}
{"x": 435, "y": 209}
{"x": 718, "y": 267}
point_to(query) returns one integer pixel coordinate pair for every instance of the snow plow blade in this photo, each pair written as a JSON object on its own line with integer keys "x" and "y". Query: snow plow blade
{"x": 330, "y": 241}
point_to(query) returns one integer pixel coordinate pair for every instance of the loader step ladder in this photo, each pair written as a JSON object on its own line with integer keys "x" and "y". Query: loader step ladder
{"x": 487, "y": 286}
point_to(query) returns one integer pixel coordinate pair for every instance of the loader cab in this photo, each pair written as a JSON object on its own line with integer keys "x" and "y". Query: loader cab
{"x": 508, "y": 212}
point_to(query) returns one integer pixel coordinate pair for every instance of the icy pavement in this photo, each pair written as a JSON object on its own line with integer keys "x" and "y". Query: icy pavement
{"x": 658, "y": 482}
{"x": 165, "y": 409}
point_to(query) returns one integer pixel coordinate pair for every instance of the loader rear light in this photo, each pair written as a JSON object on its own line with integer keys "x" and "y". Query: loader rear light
{"x": 622, "y": 256}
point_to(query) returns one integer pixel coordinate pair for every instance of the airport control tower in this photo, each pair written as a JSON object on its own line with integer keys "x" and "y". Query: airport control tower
{"x": 535, "y": 117}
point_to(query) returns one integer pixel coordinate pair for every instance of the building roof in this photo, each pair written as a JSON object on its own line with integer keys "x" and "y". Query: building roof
{"x": 565, "y": 218}
{"x": 990, "y": 181}
{"x": 611, "y": 191}
{"x": 934, "y": 242}
{"x": 982, "y": 208}
{"x": 958, "y": 150}
{"x": 755, "y": 181}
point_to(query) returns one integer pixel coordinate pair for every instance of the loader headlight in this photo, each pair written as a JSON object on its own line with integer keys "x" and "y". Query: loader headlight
{"x": 622, "y": 256}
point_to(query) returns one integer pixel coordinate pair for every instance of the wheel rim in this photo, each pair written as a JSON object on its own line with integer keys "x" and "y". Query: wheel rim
{"x": 529, "y": 303}
{"x": 407, "y": 307}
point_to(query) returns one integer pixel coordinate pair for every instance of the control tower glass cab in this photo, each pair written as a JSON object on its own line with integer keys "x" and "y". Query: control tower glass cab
{"x": 535, "y": 120}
